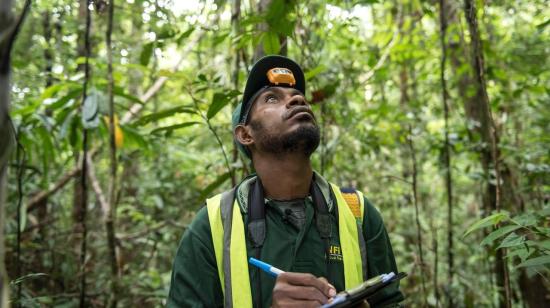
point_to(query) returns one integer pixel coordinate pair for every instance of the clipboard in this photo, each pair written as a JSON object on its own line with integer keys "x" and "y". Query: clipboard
{"x": 364, "y": 291}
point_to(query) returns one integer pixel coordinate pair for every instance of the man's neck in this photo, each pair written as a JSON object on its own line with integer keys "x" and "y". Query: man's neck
{"x": 284, "y": 178}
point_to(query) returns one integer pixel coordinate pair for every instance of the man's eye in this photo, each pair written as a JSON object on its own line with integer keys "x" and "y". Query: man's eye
{"x": 270, "y": 99}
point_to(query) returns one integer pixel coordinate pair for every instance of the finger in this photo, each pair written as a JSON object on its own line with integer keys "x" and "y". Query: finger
{"x": 330, "y": 285}
{"x": 285, "y": 294}
{"x": 302, "y": 293}
{"x": 304, "y": 279}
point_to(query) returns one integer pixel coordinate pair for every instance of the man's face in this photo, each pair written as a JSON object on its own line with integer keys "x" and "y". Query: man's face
{"x": 281, "y": 121}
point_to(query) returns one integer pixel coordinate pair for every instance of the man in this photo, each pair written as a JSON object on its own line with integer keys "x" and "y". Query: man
{"x": 326, "y": 239}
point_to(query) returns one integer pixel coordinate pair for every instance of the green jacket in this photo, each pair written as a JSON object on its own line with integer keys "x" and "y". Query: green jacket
{"x": 195, "y": 281}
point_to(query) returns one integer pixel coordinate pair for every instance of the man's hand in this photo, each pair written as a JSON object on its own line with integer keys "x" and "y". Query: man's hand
{"x": 301, "y": 290}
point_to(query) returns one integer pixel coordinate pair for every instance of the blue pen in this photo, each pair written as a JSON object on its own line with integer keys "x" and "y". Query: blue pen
{"x": 271, "y": 270}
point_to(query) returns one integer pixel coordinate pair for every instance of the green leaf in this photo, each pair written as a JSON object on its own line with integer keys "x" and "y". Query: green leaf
{"x": 146, "y": 53}
{"x": 171, "y": 128}
{"x": 487, "y": 221}
{"x": 90, "y": 111}
{"x": 74, "y": 131}
{"x": 184, "y": 35}
{"x": 30, "y": 108}
{"x": 542, "y": 260}
{"x": 498, "y": 233}
{"x": 271, "y": 43}
{"x": 52, "y": 90}
{"x": 119, "y": 91}
{"x": 132, "y": 135}
{"x": 219, "y": 37}
{"x": 314, "y": 72}
{"x": 63, "y": 100}
{"x": 217, "y": 183}
{"x": 46, "y": 147}
{"x": 511, "y": 240}
{"x": 166, "y": 32}
{"x": 542, "y": 244}
{"x": 164, "y": 114}
{"x": 276, "y": 10}
{"x": 202, "y": 77}
{"x": 26, "y": 277}
{"x": 66, "y": 124}
{"x": 542, "y": 25}
{"x": 219, "y": 100}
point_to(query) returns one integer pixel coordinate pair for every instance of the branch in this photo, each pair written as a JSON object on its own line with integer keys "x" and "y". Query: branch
{"x": 39, "y": 197}
{"x": 96, "y": 187}
{"x": 136, "y": 108}
{"x": 368, "y": 75}
{"x": 125, "y": 237}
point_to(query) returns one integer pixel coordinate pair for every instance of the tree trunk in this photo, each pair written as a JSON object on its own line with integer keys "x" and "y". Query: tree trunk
{"x": 77, "y": 185}
{"x": 48, "y": 57}
{"x": 414, "y": 188}
{"x": 261, "y": 27}
{"x": 81, "y": 189}
{"x": 478, "y": 109}
{"x": 110, "y": 219}
{"x": 447, "y": 149}
{"x": 9, "y": 28}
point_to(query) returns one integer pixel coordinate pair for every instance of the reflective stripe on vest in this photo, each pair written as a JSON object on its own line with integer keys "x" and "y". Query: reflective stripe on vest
{"x": 231, "y": 256}
{"x": 230, "y": 250}
{"x": 349, "y": 240}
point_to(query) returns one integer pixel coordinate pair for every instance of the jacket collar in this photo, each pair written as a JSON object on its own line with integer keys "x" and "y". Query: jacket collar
{"x": 243, "y": 189}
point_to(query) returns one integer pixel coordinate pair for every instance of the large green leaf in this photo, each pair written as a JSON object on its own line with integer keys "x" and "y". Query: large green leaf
{"x": 74, "y": 93}
{"x": 276, "y": 11}
{"x": 170, "y": 128}
{"x": 146, "y": 53}
{"x": 498, "y": 233}
{"x": 271, "y": 43}
{"x": 512, "y": 240}
{"x": 119, "y": 91}
{"x": 19, "y": 280}
{"x": 132, "y": 135}
{"x": 314, "y": 72}
{"x": 47, "y": 146}
{"x": 220, "y": 100}
{"x": 184, "y": 35}
{"x": 487, "y": 221}
{"x": 52, "y": 90}
{"x": 537, "y": 261}
{"x": 164, "y": 114}
{"x": 90, "y": 110}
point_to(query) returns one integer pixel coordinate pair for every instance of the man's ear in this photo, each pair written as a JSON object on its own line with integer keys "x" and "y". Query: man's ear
{"x": 242, "y": 134}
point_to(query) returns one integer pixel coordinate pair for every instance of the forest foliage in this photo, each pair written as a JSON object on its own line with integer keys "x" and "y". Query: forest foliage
{"x": 438, "y": 111}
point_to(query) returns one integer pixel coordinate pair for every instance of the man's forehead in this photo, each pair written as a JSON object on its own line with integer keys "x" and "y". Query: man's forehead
{"x": 292, "y": 91}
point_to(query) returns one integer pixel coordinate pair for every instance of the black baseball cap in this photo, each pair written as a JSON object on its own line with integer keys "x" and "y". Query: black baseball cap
{"x": 258, "y": 81}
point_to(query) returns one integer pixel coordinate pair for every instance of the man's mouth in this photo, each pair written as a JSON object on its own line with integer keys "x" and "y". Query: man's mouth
{"x": 301, "y": 113}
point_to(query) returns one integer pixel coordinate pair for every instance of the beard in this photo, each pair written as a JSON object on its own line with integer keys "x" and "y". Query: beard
{"x": 303, "y": 140}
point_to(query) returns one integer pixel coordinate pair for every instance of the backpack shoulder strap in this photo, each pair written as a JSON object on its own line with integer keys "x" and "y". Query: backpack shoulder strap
{"x": 354, "y": 199}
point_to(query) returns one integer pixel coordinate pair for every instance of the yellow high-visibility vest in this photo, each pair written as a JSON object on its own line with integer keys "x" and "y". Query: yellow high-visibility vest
{"x": 230, "y": 248}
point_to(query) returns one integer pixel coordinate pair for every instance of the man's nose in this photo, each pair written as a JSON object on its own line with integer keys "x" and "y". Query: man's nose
{"x": 296, "y": 100}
